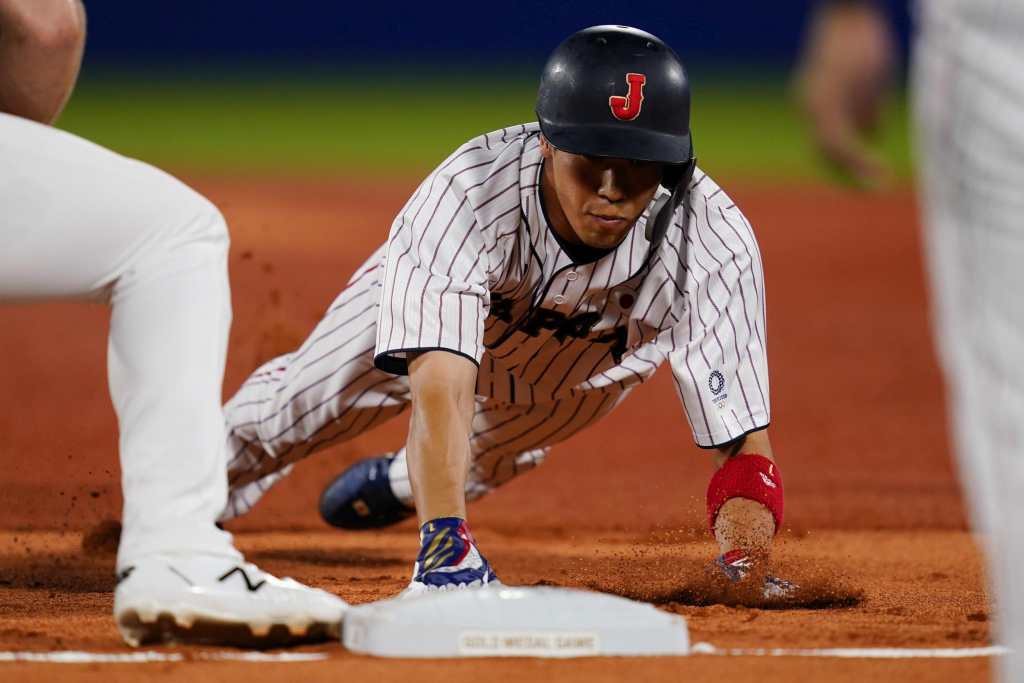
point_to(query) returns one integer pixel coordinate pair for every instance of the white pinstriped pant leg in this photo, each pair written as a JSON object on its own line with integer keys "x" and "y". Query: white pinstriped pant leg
{"x": 80, "y": 222}
{"x": 326, "y": 392}
{"x": 969, "y": 80}
{"x": 511, "y": 439}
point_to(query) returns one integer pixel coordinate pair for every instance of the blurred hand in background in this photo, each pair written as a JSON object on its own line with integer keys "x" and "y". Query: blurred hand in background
{"x": 848, "y": 62}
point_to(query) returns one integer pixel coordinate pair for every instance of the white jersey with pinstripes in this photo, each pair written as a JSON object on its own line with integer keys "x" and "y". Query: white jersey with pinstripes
{"x": 472, "y": 267}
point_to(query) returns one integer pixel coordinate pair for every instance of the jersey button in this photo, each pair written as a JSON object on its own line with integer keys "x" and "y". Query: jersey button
{"x": 559, "y": 299}
{"x": 571, "y": 276}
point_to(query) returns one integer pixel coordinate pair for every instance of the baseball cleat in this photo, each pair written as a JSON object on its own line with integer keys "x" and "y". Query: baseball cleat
{"x": 734, "y": 566}
{"x": 215, "y": 600}
{"x": 361, "y": 497}
{"x": 448, "y": 560}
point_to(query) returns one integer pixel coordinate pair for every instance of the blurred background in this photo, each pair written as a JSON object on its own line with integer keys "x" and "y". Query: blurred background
{"x": 310, "y": 124}
{"x": 322, "y": 85}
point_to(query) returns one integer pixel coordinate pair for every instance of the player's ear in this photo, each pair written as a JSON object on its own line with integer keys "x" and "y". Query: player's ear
{"x": 546, "y": 150}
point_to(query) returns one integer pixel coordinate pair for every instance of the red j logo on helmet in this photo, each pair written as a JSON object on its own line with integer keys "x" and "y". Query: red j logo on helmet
{"x": 628, "y": 108}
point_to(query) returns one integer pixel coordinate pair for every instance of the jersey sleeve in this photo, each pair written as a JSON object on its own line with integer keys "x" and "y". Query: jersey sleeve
{"x": 434, "y": 292}
{"x": 716, "y": 342}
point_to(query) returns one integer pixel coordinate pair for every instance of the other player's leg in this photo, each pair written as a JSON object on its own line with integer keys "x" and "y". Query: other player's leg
{"x": 970, "y": 115}
{"x": 81, "y": 222}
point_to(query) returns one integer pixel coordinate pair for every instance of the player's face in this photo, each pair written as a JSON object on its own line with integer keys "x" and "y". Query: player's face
{"x": 596, "y": 201}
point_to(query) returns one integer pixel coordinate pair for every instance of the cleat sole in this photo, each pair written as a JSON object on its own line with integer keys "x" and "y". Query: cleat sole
{"x": 170, "y": 628}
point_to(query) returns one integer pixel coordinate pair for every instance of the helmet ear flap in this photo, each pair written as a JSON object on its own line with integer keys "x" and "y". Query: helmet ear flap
{"x": 677, "y": 180}
{"x": 673, "y": 174}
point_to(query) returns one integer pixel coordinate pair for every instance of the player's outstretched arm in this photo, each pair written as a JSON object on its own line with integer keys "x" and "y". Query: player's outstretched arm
{"x": 443, "y": 388}
{"x": 745, "y": 509}
{"x": 848, "y": 60}
{"x": 740, "y": 522}
{"x": 41, "y": 44}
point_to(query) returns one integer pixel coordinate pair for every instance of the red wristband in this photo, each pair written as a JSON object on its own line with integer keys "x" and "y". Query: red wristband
{"x": 750, "y": 476}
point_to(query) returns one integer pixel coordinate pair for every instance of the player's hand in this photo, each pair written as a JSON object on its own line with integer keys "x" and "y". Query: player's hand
{"x": 848, "y": 61}
{"x": 737, "y": 567}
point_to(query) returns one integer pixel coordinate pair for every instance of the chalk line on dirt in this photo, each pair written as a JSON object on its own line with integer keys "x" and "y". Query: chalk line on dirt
{"x": 855, "y": 652}
{"x": 79, "y": 657}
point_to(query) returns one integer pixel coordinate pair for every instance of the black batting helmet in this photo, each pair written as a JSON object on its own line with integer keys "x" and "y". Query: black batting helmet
{"x": 616, "y": 91}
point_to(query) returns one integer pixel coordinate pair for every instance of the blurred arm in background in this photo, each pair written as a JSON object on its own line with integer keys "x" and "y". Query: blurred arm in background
{"x": 41, "y": 44}
{"x": 848, "y": 61}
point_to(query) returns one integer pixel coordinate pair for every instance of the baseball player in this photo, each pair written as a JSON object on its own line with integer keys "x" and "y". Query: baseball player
{"x": 533, "y": 279}
{"x": 968, "y": 88}
{"x": 82, "y": 223}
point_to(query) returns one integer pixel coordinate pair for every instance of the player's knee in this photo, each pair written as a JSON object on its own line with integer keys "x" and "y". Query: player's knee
{"x": 214, "y": 226}
{"x": 200, "y": 223}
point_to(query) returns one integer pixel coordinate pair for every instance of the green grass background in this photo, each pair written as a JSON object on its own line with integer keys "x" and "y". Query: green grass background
{"x": 404, "y": 121}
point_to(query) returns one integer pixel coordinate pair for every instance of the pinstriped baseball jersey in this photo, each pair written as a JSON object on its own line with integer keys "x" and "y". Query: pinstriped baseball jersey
{"x": 472, "y": 267}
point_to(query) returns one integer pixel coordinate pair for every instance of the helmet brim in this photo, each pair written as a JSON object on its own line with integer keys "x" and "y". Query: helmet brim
{"x": 618, "y": 142}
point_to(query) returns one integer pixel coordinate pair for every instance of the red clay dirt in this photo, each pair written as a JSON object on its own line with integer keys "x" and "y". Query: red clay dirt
{"x": 875, "y": 528}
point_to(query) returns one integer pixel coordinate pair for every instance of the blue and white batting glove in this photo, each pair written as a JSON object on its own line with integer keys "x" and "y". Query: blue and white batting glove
{"x": 448, "y": 559}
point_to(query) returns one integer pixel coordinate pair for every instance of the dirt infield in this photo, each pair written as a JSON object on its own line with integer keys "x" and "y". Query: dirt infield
{"x": 874, "y": 529}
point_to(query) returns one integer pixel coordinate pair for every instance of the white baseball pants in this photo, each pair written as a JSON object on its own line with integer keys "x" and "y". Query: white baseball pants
{"x": 969, "y": 98}
{"x": 80, "y": 222}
